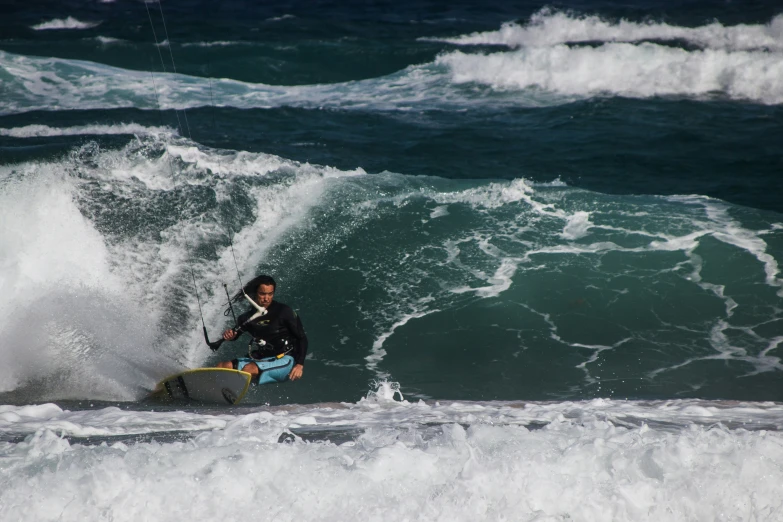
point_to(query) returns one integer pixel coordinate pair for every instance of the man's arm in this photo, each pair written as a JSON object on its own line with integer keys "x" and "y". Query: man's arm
{"x": 294, "y": 325}
{"x": 231, "y": 333}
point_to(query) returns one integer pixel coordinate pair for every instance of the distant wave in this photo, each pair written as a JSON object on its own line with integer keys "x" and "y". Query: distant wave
{"x": 548, "y": 28}
{"x": 67, "y": 23}
{"x": 637, "y": 71}
{"x": 280, "y": 18}
{"x": 108, "y": 40}
{"x": 221, "y": 43}
{"x": 60, "y": 84}
{"x": 34, "y": 131}
{"x": 526, "y": 76}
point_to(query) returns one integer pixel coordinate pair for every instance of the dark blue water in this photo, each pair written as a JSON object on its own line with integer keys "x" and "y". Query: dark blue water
{"x": 484, "y": 201}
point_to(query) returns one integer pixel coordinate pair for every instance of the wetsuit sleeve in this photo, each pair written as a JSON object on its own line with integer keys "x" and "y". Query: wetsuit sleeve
{"x": 294, "y": 326}
{"x": 244, "y": 317}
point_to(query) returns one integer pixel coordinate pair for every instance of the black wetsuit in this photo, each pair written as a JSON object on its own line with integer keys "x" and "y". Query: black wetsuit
{"x": 281, "y": 330}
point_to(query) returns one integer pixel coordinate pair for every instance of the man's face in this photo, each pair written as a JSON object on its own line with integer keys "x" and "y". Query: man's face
{"x": 264, "y": 295}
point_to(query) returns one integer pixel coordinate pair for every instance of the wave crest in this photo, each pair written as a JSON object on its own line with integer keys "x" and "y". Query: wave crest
{"x": 66, "y": 23}
{"x": 636, "y": 71}
{"x": 547, "y": 28}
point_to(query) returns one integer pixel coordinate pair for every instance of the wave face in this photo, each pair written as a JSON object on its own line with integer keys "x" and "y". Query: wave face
{"x": 500, "y": 272}
{"x": 111, "y": 255}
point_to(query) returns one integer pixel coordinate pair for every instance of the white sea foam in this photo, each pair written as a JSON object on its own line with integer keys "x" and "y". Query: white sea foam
{"x": 493, "y": 195}
{"x": 638, "y": 71}
{"x": 740, "y": 62}
{"x": 732, "y": 232}
{"x": 501, "y": 280}
{"x": 219, "y": 43}
{"x": 439, "y": 211}
{"x": 548, "y": 28}
{"x": 57, "y": 275}
{"x": 385, "y": 406}
{"x": 577, "y": 225}
{"x": 378, "y": 353}
{"x": 108, "y": 40}
{"x": 281, "y": 18}
{"x": 36, "y": 131}
{"x": 110, "y": 421}
{"x": 67, "y": 23}
{"x": 598, "y": 460}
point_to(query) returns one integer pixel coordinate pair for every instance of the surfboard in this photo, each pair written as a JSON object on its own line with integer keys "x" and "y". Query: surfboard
{"x": 215, "y": 385}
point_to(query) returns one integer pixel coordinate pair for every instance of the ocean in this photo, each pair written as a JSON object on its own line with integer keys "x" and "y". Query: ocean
{"x": 536, "y": 248}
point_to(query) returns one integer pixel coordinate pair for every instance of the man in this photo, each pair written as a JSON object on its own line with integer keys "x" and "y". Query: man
{"x": 279, "y": 346}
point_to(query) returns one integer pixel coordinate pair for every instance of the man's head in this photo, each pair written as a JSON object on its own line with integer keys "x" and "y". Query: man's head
{"x": 265, "y": 291}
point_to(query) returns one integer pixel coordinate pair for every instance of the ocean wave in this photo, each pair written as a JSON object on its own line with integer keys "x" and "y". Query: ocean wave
{"x": 103, "y": 215}
{"x": 57, "y": 84}
{"x": 523, "y": 231}
{"x": 637, "y": 71}
{"x": 35, "y": 131}
{"x": 280, "y": 18}
{"x": 139, "y": 217}
{"x": 220, "y": 43}
{"x": 531, "y": 77}
{"x": 107, "y": 40}
{"x": 66, "y": 23}
{"x": 548, "y": 27}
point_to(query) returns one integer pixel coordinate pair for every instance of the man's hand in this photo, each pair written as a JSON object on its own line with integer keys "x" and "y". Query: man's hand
{"x": 296, "y": 372}
{"x": 229, "y": 335}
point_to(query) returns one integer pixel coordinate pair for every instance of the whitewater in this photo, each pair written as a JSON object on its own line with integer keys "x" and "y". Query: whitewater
{"x": 380, "y": 458}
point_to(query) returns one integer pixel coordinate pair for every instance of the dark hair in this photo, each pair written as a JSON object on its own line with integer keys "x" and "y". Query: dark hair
{"x": 258, "y": 281}
{"x": 251, "y": 287}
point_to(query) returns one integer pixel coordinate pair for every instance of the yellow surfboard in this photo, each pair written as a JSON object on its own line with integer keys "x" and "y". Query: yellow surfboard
{"x": 215, "y": 385}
